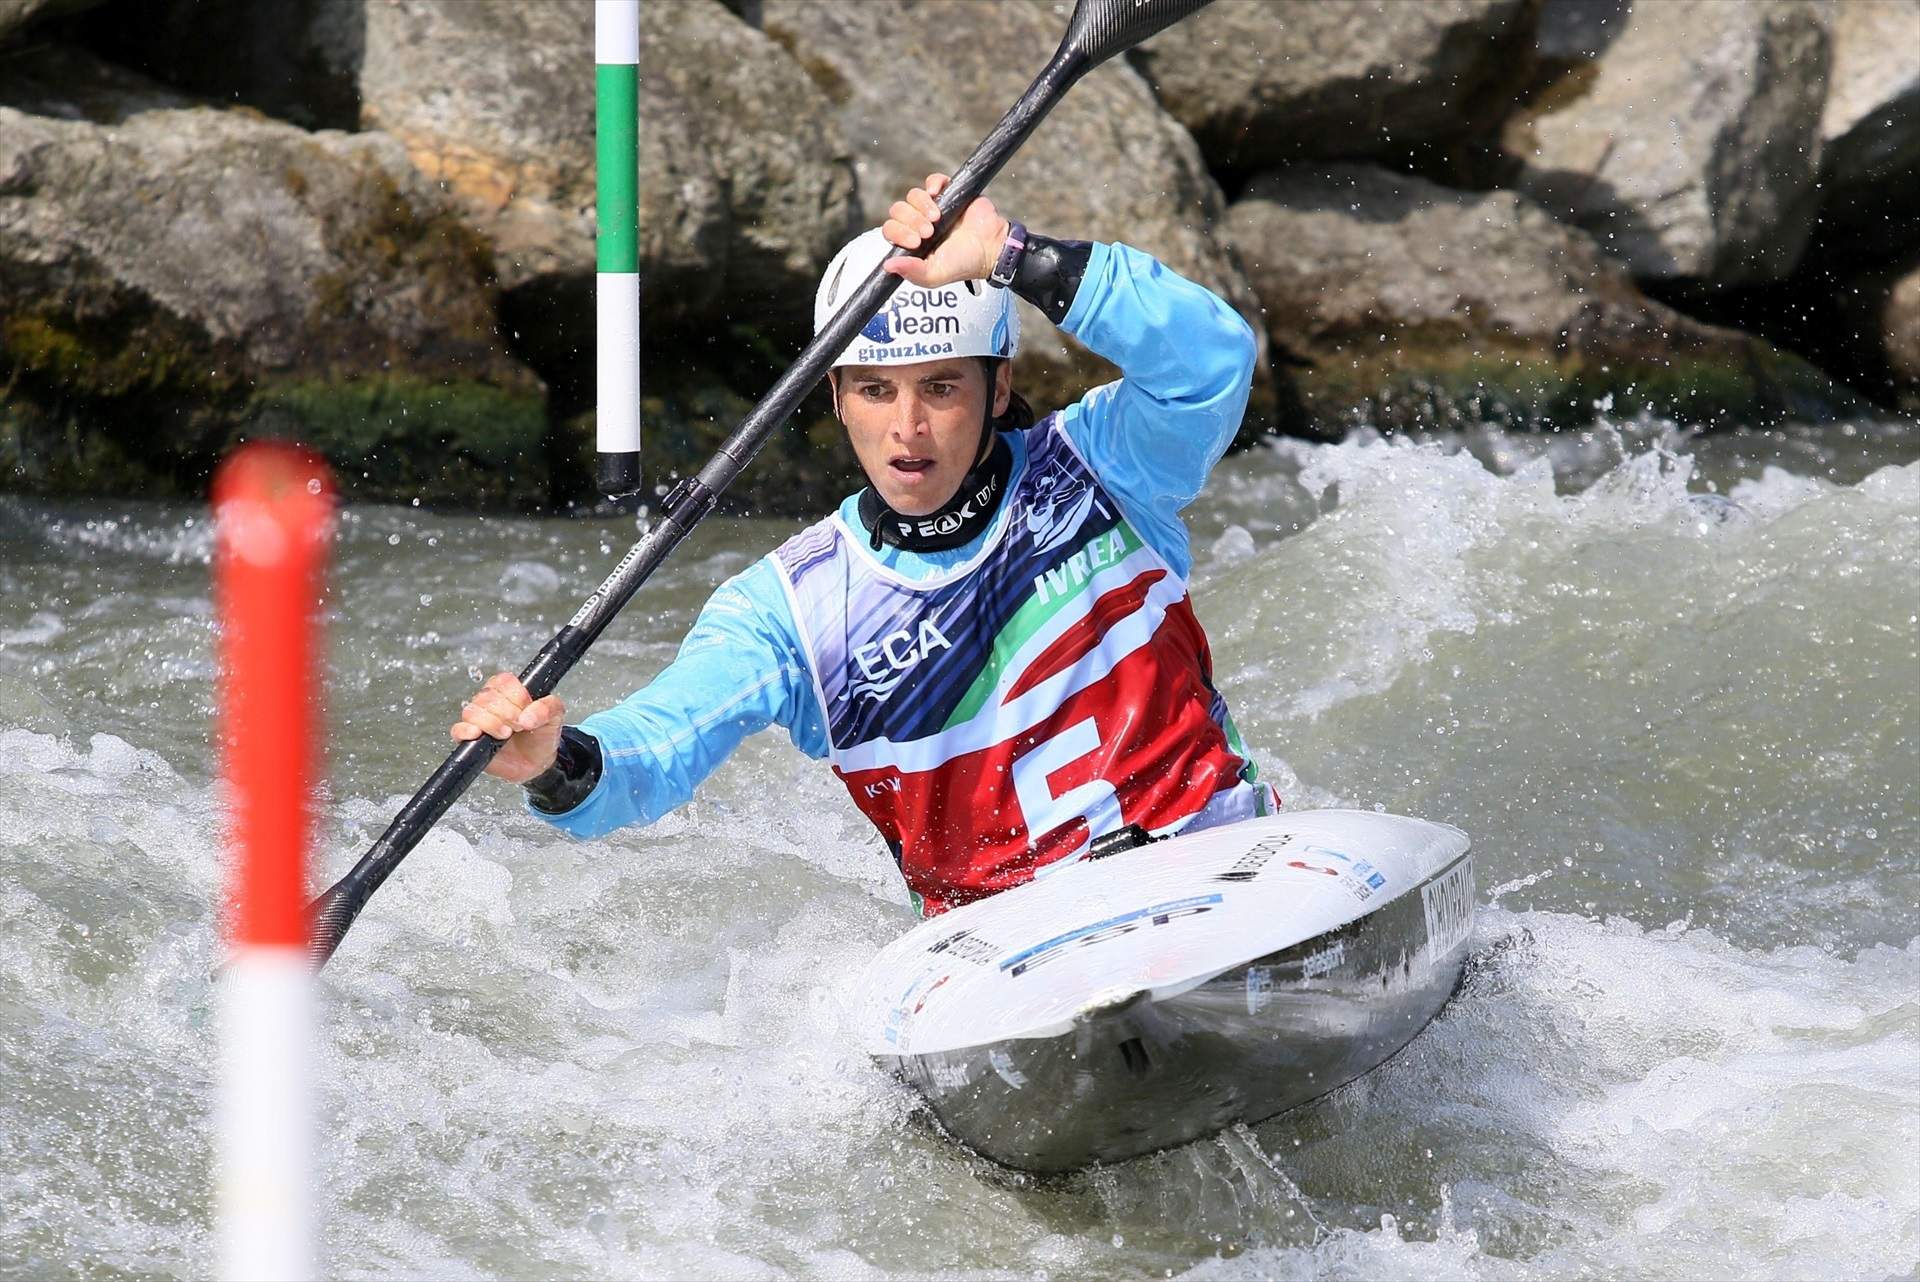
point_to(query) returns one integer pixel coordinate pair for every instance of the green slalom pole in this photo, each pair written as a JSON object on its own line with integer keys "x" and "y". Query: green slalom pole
{"x": 616, "y": 83}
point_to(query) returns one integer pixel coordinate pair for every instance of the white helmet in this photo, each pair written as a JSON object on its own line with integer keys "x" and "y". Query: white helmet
{"x": 966, "y": 318}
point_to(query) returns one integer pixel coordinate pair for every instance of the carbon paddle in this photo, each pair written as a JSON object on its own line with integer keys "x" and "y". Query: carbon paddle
{"x": 1098, "y": 30}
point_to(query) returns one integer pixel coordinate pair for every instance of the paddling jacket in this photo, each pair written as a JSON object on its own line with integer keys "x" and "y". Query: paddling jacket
{"x": 994, "y": 707}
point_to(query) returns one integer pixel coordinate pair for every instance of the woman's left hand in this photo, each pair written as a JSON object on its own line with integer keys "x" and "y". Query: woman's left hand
{"x": 969, "y": 253}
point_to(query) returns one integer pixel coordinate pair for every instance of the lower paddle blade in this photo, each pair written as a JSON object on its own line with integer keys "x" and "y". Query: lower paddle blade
{"x": 331, "y": 914}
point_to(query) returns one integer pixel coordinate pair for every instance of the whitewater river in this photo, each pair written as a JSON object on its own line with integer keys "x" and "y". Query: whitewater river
{"x": 1671, "y": 689}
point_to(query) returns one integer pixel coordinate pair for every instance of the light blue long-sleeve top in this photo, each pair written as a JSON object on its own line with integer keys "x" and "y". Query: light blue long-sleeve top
{"x": 1152, "y": 437}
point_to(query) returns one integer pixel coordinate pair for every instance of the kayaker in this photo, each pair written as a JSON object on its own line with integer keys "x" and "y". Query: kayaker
{"x": 992, "y": 643}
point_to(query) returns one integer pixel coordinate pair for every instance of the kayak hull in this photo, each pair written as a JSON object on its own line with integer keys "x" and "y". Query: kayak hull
{"x": 1148, "y": 1059}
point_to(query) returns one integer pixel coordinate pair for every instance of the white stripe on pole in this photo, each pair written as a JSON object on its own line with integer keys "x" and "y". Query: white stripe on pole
{"x": 616, "y": 31}
{"x": 265, "y": 1158}
{"x": 617, "y": 353}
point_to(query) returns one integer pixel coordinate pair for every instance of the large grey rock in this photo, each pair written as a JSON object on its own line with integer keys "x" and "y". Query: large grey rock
{"x": 744, "y": 190}
{"x": 1259, "y": 82}
{"x": 170, "y": 271}
{"x": 1412, "y": 304}
{"x": 495, "y": 101}
{"x": 752, "y": 122}
{"x": 1108, "y": 164}
{"x": 1690, "y": 145}
{"x": 1871, "y": 125}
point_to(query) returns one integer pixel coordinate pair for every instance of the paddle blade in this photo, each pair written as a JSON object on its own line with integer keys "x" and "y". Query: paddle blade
{"x": 329, "y": 916}
{"x": 1099, "y": 29}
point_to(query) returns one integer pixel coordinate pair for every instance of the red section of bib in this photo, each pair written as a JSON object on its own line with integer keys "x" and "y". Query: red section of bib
{"x": 960, "y": 826}
{"x": 1074, "y": 644}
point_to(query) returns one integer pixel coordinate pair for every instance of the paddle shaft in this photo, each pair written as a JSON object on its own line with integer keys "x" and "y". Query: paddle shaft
{"x": 1094, "y": 34}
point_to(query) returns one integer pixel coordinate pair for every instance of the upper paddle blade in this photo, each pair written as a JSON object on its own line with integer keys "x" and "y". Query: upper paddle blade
{"x": 1100, "y": 29}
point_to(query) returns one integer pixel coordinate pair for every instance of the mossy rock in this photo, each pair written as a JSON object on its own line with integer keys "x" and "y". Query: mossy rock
{"x": 156, "y": 367}
{"x": 54, "y": 455}
{"x": 464, "y": 443}
{"x": 95, "y": 413}
{"x": 125, "y": 401}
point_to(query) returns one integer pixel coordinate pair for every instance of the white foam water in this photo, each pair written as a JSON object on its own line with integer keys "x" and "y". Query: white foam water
{"x": 1671, "y": 687}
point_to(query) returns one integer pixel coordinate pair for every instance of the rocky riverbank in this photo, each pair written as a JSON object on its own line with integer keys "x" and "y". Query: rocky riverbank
{"x": 369, "y": 223}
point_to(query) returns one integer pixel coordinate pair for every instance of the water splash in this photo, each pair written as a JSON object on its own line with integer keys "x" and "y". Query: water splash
{"x": 1684, "y": 741}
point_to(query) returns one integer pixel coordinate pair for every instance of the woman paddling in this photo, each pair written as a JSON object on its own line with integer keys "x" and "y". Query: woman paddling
{"x": 992, "y": 643}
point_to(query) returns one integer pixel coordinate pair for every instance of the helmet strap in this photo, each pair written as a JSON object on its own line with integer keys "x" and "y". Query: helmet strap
{"x": 991, "y": 366}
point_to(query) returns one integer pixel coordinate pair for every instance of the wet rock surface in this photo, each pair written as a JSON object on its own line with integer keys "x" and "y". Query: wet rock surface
{"x": 1407, "y": 304}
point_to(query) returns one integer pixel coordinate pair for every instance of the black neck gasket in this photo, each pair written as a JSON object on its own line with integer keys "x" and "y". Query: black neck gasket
{"x": 957, "y": 522}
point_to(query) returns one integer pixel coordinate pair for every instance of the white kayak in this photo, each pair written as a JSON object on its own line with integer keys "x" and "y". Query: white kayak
{"x": 1133, "y": 1002}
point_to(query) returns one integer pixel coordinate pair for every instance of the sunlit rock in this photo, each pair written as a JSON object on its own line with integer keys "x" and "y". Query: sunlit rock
{"x": 1688, "y": 142}
{"x": 174, "y": 274}
{"x": 744, "y": 192}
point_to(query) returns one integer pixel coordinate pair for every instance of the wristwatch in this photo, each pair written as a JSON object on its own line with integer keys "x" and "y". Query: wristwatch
{"x": 1010, "y": 255}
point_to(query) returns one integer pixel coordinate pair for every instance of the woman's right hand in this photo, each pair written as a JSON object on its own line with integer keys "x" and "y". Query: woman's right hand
{"x": 530, "y": 727}
{"x": 969, "y": 253}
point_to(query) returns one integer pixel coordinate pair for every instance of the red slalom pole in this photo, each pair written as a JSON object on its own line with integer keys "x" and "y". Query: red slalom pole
{"x": 274, "y": 508}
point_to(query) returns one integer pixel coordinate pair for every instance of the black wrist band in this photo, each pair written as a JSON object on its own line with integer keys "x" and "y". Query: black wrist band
{"x": 574, "y": 773}
{"x": 1049, "y": 273}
